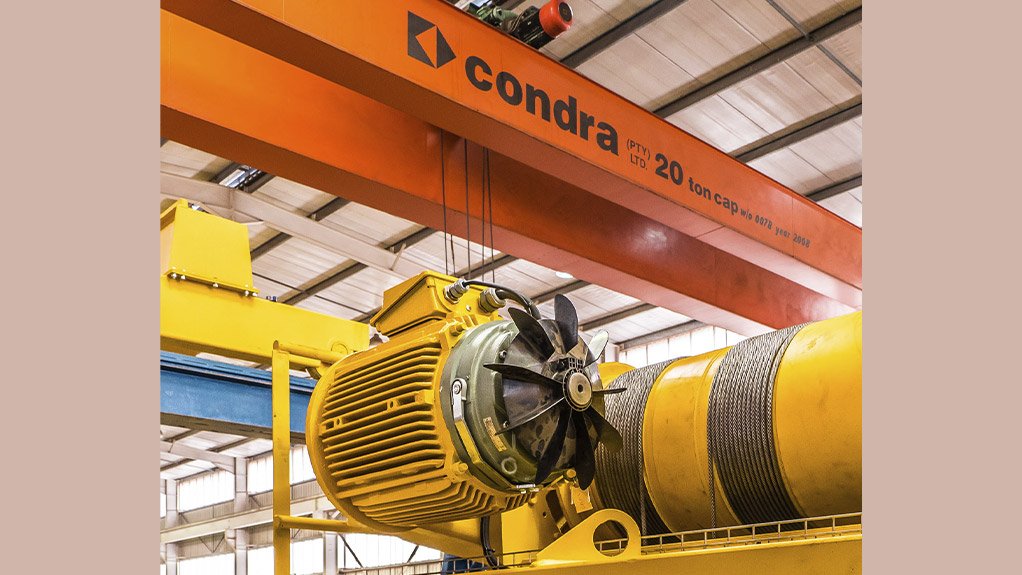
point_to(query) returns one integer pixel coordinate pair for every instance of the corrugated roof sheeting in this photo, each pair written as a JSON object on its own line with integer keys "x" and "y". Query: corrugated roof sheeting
{"x": 637, "y": 71}
{"x": 837, "y": 152}
{"x": 167, "y": 432}
{"x": 328, "y": 306}
{"x": 718, "y": 123}
{"x": 643, "y": 323}
{"x": 370, "y": 225}
{"x": 270, "y": 288}
{"x": 292, "y": 196}
{"x": 789, "y": 168}
{"x": 592, "y": 301}
{"x": 296, "y": 262}
{"x": 296, "y": 197}
{"x": 847, "y": 47}
{"x": 829, "y": 157}
{"x": 591, "y": 19}
{"x": 363, "y": 290}
{"x": 814, "y": 13}
{"x": 529, "y": 278}
{"x": 182, "y": 160}
{"x": 783, "y": 95}
{"x": 848, "y": 205}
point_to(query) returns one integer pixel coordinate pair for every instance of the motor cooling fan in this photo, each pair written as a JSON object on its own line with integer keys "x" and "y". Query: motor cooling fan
{"x": 553, "y": 394}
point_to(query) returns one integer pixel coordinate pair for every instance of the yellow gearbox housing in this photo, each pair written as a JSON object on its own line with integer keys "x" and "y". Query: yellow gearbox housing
{"x": 377, "y": 436}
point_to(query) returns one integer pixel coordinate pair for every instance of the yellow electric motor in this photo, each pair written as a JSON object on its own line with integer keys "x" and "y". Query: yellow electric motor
{"x": 460, "y": 414}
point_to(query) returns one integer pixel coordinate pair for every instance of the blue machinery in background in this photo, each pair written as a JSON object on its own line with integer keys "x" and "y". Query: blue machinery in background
{"x": 215, "y": 396}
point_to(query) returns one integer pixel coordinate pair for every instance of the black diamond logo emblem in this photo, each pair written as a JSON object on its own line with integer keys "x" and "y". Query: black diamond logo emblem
{"x": 426, "y": 44}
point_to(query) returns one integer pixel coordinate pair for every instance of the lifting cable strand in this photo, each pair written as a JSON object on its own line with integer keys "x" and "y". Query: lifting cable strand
{"x": 739, "y": 440}
{"x": 482, "y": 210}
{"x": 489, "y": 195}
{"x": 468, "y": 220}
{"x": 619, "y": 477}
{"x": 443, "y": 196}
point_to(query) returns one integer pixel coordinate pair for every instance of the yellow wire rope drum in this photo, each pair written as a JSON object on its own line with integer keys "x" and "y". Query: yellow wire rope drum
{"x": 780, "y": 415}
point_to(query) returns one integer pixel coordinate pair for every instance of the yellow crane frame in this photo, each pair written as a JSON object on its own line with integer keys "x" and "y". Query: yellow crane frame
{"x": 208, "y": 304}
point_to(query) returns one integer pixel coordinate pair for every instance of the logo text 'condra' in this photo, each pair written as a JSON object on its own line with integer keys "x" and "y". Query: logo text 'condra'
{"x": 566, "y": 114}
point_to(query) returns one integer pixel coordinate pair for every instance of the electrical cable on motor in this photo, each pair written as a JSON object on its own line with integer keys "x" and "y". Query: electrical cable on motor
{"x": 484, "y": 541}
{"x": 489, "y": 198}
{"x": 508, "y": 293}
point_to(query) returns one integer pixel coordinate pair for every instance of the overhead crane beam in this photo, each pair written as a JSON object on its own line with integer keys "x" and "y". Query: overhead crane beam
{"x": 714, "y": 272}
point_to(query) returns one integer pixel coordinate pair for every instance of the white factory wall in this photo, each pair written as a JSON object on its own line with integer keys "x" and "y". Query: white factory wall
{"x": 260, "y": 470}
{"x": 205, "y": 489}
{"x": 222, "y": 564}
{"x": 307, "y": 557}
{"x": 695, "y": 342}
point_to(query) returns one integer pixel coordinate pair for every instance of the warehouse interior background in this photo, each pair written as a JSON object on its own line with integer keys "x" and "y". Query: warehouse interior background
{"x": 776, "y": 84}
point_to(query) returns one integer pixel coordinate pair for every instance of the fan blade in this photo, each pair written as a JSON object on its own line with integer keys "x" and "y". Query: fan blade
{"x": 585, "y": 457}
{"x": 532, "y": 416}
{"x": 610, "y": 391}
{"x": 567, "y": 322}
{"x": 552, "y": 451}
{"x": 524, "y": 396}
{"x": 522, "y": 373}
{"x": 596, "y": 346}
{"x": 605, "y": 432}
{"x": 530, "y": 329}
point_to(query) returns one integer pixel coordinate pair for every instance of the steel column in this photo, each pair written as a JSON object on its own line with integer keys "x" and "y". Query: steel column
{"x": 240, "y": 552}
{"x": 240, "y": 484}
{"x": 173, "y": 517}
{"x": 171, "y": 558}
{"x": 329, "y": 547}
{"x": 280, "y": 367}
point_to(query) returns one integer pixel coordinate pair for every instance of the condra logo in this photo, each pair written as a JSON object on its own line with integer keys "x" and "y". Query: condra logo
{"x": 427, "y": 45}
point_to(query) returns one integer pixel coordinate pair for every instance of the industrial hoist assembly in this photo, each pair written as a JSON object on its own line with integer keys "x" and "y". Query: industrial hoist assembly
{"x": 464, "y": 415}
{"x": 481, "y": 428}
{"x": 476, "y": 424}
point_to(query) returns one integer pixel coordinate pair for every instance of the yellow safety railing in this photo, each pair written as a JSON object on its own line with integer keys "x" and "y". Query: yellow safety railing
{"x": 787, "y": 530}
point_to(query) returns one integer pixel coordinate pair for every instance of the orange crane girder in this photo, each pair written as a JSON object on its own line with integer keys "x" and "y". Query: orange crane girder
{"x": 315, "y": 124}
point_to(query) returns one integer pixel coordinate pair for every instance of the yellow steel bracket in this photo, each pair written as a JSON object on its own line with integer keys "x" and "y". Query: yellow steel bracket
{"x": 576, "y": 546}
{"x": 284, "y": 355}
{"x": 208, "y": 302}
